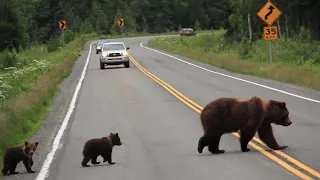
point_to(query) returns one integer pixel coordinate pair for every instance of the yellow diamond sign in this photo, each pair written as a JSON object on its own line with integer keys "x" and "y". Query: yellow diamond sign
{"x": 269, "y": 13}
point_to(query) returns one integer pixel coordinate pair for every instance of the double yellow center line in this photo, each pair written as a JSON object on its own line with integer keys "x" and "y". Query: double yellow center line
{"x": 300, "y": 170}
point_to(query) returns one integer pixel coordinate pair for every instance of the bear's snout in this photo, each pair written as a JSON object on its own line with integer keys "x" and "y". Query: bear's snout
{"x": 288, "y": 122}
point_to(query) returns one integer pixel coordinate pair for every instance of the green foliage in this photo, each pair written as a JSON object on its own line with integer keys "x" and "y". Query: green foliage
{"x": 197, "y": 26}
{"x": 69, "y": 36}
{"x": 27, "y": 90}
{"x": 8, "y": 58}
{"x": 295, "y": 60}
{"x": 86, "y": 28}
{"x": 26, "y": 22}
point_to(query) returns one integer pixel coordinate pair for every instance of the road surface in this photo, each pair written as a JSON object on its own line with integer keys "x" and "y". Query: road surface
{"x": 159, "y": 132}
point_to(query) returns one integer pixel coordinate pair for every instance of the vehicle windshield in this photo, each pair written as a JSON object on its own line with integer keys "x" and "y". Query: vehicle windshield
{"x": 108, "y": 47}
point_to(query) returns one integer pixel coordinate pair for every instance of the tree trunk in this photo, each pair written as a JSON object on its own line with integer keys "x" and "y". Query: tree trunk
{"x": 279, "y": 34}
{"x": 287, "y": 28}
{"x": 249, "y": 25}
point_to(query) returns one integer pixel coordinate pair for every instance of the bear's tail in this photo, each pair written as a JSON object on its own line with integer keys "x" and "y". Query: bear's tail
{"x": 85, "y": 150}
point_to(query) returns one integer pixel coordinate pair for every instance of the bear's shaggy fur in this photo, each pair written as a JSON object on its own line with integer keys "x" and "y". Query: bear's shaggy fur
{"x": 100, "y": 146}
{"x": 13, "y": 155}
{"x": 227, "y": 115}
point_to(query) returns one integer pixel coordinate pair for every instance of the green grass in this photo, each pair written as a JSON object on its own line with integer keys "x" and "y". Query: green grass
{"x": 296, "y": 60}
{"x": 27, "y": 90}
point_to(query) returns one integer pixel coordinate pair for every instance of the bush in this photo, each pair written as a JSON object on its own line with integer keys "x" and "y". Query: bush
{"x": 54, "y": 44}
{"x": 8, "y": 59}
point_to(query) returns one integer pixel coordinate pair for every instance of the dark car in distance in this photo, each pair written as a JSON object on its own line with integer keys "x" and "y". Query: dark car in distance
{"x": 187, "y": 32}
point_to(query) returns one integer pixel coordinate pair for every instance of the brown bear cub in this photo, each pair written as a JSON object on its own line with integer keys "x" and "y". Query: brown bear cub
{"x": 100, "y": 146}
{"x": 13, "y": 155}
{"x": 227, "y": 115}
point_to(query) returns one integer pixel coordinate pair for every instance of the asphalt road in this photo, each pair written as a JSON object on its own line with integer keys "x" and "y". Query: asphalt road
{"x": 159, "y": 132}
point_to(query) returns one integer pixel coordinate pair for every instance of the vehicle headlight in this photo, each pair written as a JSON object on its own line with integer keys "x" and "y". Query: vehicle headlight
{"x": 104, "y": 54}
{"x": 124, "y": 53}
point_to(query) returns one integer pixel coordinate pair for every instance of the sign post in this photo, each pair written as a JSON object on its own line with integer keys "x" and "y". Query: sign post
{"x": 121, "y": 24}
{"x": 270, "y": 33}
{"x": 63, "y": 26}
{"x": 269, "y": 13}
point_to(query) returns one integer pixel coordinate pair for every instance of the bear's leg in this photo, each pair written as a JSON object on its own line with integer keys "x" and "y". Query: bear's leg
{"x": 214, "y": 144}
{"x": 203, "y": 142}
{"x": 110, "y": 159}
{"x": 245, "y": 137}
{"x": 31, "y": 161}
{"x": 94, "y": 159}
{"x": 5, "y": 169}
{"x": 107, "y": 157}
{"x": 13, "y": 167}
{"x": 26, "y": 163}
{"x": 85, "y": 161}
{"x": 266, "y": 135}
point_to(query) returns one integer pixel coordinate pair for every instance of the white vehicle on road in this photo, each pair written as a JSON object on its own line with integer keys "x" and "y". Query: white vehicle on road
{"x": 114, "y": 53}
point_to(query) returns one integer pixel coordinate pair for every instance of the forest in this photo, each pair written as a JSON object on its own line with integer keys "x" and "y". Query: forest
{"x": 25, "y": 22}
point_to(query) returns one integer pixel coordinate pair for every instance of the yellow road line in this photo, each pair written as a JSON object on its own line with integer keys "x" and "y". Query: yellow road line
{"x": 291, "y": 159}
{"x": 198, "y": 109}
{"x": 159, "y": 82}
{"x": 173, "y": 89}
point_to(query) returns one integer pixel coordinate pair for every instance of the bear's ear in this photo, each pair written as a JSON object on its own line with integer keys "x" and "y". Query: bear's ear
{"x": 116, "y": 134}
{"x": 111, "y": 134}
{"x": 36, "y": 143}
{"x": 26, "y": 143}
{"x": 282, "y": 104}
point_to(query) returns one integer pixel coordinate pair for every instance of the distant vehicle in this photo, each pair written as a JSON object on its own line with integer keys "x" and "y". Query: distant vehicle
{"x": 99, "y": 45}
{"x": 187, "y": 32}
{"x": 114, "y": 53}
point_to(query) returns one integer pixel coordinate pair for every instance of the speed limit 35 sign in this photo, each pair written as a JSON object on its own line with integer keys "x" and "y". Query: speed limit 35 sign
{"x": 270, "y": 33}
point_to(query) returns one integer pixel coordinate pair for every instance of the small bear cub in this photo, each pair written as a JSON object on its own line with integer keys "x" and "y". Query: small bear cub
{"x": 100, "y": 146}
{"x": 14, "y": 155}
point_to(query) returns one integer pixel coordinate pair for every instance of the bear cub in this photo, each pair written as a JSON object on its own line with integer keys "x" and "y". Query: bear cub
{"x": 13, "y": 155}
{"x": 227, "y": 115}
{"x": 100, "y": 146}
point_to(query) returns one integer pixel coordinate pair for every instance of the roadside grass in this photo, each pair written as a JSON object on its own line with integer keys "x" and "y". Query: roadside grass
{"x": 29, "y": 88}
{"x": 296, "y": 60}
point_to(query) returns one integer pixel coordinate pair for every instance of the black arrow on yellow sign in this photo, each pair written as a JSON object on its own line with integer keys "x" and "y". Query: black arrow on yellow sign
{"x": 271, "y": 8}
{"x": 62, "y": 24}
{"x": 121, "y": 22}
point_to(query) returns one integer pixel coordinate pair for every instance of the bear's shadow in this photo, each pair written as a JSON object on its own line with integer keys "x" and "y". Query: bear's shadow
{"x": 253, "y": 151}
{"x": 101, "y": 165}
{"x": 21, "y": 173}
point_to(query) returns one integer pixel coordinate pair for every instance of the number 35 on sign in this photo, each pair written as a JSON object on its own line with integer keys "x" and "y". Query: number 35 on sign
{"x": 270, "y": 33}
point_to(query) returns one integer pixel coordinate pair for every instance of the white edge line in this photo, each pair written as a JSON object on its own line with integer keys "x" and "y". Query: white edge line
{"x": 232, "y": 77}
{"x": 46, "y": 165}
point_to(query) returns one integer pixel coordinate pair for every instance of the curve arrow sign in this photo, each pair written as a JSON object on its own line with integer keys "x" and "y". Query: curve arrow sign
{"x": 271, "y": 8}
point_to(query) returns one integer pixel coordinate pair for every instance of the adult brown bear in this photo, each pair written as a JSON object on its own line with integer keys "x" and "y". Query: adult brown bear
{"x": 227, "y": 115}
{"x": 13, "y": 155}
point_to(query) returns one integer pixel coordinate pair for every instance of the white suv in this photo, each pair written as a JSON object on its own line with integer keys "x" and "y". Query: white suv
{"x": 114, "y": 53}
